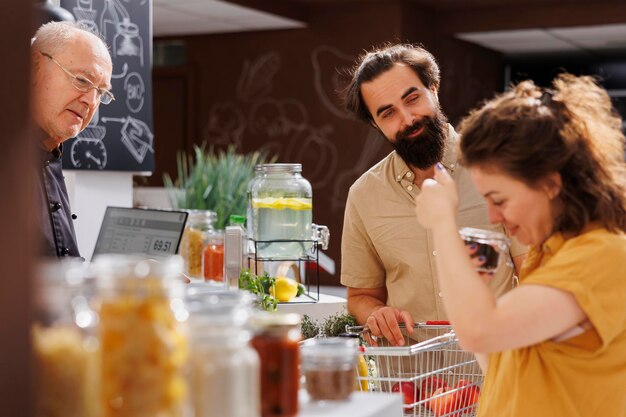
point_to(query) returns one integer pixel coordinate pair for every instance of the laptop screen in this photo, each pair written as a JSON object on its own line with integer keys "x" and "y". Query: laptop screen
{"x": 154, "y": 233}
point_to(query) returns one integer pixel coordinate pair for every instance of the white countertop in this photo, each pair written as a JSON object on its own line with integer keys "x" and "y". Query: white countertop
{"x": 359, "y": 404}
{"x": 326, "y": 306}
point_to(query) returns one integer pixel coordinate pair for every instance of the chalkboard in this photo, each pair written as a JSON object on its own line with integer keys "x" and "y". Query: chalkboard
{"x": 120, "y": 136}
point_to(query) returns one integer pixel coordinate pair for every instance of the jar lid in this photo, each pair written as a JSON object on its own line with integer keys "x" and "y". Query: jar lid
{"x": 267, "y": 320}
{"x": 329, "y": 350}
{"x": 201, "y": 215}
{"x": 273, "y": 168}
{"x": 236, "y": 219}
{"x": 112, "y": 268}
{"x": 217, "y": 307}
{"x": 483, "y": 236}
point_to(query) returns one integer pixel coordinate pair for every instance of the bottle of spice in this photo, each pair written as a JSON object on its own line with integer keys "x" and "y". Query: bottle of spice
{"x": 224, "y": 369}
{"x": 143, "y": 344}
{"x": 328, "y": 365}
{"x": 276, "y": 341}
{"x": 213, "y": 256}
{"x": 64, "y": 342}
{"x": 200, "y": 224}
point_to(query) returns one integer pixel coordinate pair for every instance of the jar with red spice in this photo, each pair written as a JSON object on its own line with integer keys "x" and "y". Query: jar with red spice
{"x": 276, "y": 341}
{"x": 213, "y": 256}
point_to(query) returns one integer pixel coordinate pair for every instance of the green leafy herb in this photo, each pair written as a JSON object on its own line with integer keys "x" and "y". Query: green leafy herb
{"x": 259, "y": 285}
{"x": 333, "y": 326}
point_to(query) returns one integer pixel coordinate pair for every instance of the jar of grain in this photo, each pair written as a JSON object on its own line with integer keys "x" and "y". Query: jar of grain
{"x": 64, "y": 341}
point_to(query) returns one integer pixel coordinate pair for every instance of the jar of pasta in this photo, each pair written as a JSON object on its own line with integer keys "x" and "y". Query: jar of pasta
{"x": 200, "y": 224}
{"x": 143, "y": 343}
{"x": 224, "y": 369}
{"x": 276, "y": 341}
{"x": 64, "y": 342}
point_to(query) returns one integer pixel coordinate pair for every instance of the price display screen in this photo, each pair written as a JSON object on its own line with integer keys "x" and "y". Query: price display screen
{"x": 154, "y": 233}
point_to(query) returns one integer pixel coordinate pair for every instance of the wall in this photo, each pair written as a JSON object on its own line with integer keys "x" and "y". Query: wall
{"x": 277, "y": 90}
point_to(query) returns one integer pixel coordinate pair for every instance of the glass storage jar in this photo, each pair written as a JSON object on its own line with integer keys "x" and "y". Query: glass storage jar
{"x": 328, "y": 365}
{"x": 213, "y": 256}
{"x": 200, "y": 223}
{"x": 282, "y": 212}
{"x": 492, "y": 246}
{"x": 224, "y": 369}
{"x": 64, "y": 342}
{"x": 143, "y": 342}
{"x": 276, "y": 341}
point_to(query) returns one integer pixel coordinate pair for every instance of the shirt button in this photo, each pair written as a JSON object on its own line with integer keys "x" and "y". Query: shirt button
{"x": 74, "y": 217}
{"x": 56, "y": 206}
{"x": 408, "y": 174}
{"x": 440, "y": 294}
{"x": 434, "y": 253}
{"x": 451, "y": 166}
{"x": 399, "y": 177}
{"x": 65, "y": 251}
{"x": 46, "y": 163}
{"x": 410, "y": 188}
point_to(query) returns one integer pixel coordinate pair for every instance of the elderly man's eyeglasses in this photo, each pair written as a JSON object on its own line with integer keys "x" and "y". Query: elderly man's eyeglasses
{"x": 83, "y": 84}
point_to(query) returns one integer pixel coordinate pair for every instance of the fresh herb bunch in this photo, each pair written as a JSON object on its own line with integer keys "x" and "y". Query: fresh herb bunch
{"x": 259, "y": 286}
{"x": 333, "y": 326}
{"x": 309, "y": 328}
{"x": 213, "y": 181}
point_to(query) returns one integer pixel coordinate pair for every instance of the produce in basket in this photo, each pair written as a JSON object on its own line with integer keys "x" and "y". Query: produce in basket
{"x": 409, "y": 392}
{"x": 445, "y": 400}
{"x": 430, "y": 385}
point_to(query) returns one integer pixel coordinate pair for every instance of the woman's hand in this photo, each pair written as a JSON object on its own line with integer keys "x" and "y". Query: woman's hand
{"x": 438, "y": 200}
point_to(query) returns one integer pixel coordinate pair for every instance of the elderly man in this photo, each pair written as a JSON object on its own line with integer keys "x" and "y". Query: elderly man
{"x": 71, "y": 77}
{"x": 388, "y": 259}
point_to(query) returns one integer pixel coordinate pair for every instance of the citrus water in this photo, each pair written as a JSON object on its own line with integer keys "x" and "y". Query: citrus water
{"x": 278, "y": 219}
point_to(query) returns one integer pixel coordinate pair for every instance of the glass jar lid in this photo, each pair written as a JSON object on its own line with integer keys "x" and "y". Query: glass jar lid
{"x": 218, "y": 308}
{"x": 266, "y": 320}
{"x": 484, "y": 236}
{"x": 201, "y": 216}
{"x": 112, "y": 269}
{"x": 278, "y": 168}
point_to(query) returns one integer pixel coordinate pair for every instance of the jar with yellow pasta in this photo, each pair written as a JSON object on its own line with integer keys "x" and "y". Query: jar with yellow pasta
{"x": 143, "y": 342}
{"x": 200, "y": 225}
{"x": 64, "y": 342}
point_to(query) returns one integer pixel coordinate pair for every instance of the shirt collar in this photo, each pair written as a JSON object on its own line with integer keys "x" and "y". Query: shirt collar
{"x": 449, "y": 160}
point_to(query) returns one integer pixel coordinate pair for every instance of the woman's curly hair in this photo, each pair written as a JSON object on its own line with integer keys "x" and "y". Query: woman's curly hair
{"x": 528, "y": 133}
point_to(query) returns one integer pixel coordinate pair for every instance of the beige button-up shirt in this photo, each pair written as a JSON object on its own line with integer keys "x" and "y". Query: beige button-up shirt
{"x": 383, "y": 245}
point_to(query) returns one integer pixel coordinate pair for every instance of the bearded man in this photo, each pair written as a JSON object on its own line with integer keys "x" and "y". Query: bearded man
{"x": 388, "y": 259}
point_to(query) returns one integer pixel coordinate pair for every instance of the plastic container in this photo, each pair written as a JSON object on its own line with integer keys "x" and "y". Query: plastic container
{"x": 276, "y": 341}
{"x": 282, "y": 212}
{"x": 64, "y": 342}
{"x": 491, "y": 245}
{"x": 200, "y": 224}
{"x": 142, "y": 336}
{"x": 328, "y": 366}
{"x": 224, "y": 369}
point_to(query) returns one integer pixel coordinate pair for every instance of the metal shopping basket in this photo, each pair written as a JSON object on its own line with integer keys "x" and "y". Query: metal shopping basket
{"x": 435, "y": 376}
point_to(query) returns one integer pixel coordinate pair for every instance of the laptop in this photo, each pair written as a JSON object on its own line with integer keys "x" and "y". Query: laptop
{"x": 148, "y": 232}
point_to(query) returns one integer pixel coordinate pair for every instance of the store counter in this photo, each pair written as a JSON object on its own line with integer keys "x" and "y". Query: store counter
{"x": 327, "y": 306}
{"x": 361, "y": 404}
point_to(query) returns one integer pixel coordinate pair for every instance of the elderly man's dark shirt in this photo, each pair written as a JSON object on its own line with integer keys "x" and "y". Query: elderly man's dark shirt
{"x": 59, "y": 238}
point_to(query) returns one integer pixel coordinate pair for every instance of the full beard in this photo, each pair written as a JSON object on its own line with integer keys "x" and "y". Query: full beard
{"x": 427, "y": 149}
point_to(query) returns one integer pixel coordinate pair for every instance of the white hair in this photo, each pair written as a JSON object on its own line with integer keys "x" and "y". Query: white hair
{"x": 52, "y": 37}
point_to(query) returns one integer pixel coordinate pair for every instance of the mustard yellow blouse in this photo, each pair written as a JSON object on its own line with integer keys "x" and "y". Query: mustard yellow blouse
{"x": 582, "y": 376}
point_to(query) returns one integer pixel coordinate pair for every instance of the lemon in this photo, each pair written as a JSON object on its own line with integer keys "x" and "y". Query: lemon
{"x": 284, "y": 289}
{"x": 282, "y": 203}
{"x": 362, "y": 369}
